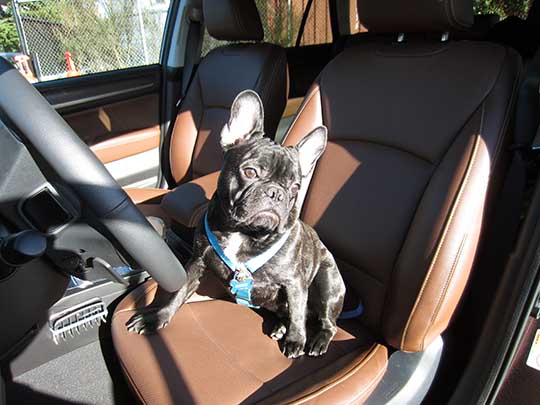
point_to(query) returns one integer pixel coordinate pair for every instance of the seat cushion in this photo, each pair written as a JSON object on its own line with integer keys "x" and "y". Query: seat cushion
{"x": 216, "y": 352}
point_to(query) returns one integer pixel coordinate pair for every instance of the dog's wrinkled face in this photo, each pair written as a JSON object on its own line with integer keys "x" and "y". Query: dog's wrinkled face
{"x": 260, "y": 180}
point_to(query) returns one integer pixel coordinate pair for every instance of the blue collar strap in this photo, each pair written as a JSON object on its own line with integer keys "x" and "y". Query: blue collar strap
{"x": 242, "y": 281}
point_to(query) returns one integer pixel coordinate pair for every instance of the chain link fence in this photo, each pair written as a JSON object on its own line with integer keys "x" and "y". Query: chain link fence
{"x": 281, "y": 21}
{"x": 73, "y": 37}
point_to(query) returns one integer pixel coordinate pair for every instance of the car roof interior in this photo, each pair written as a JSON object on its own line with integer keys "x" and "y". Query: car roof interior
{"x": 426, "y": 195}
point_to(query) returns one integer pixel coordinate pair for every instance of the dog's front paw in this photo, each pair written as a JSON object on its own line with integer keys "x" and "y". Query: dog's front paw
{"x": 293, "y": 347}
{"x": 320, "y": 342}
{"x": 149, "y": 320}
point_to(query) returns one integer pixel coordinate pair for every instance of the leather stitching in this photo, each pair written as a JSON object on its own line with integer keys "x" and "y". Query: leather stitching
{"x": 384, "y": 145}
{"x": 495, "y": 158}
{"x": 375, "y": 381}
{"x": 444, "y": 235}
{"x": 342, "y": 378}
{"x": 444, "y": 292}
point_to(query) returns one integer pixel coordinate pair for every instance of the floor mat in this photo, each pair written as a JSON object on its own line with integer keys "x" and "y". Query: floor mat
{"x": 80, "y": 377}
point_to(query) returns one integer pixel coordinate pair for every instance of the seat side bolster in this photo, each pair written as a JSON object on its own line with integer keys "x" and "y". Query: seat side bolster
{"x": 187, "y": 202}
{"x": 451, "y": 264}
{"x": 185, "y": 132}
{"x": 451, "y": 255}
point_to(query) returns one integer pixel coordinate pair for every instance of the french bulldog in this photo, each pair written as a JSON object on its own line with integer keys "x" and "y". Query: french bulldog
{"x": 254, "y": 212}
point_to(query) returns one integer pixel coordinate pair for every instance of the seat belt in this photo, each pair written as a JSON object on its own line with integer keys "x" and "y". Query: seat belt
{"x": 193, "y": 50}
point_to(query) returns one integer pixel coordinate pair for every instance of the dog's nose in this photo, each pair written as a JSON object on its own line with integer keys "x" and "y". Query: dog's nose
{"x": 275, "y": 193}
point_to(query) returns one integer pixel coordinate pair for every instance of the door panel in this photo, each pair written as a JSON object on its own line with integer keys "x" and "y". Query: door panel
{"x": 117, "y": 114}
{"x": 522, "y": 381}
{"x": 99, "y": 124}
{"x": 126, "y": 145}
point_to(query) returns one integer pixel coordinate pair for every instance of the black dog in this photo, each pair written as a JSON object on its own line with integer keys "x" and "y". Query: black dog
{"x": 251, "y": 237}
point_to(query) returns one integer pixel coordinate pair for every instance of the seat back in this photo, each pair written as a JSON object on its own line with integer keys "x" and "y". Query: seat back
{"x": 226, "y": 71}
{"x": 417, "y": 132}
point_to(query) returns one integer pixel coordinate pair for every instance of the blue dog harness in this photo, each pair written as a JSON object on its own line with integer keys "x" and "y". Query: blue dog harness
{"x": 242, "y": 281}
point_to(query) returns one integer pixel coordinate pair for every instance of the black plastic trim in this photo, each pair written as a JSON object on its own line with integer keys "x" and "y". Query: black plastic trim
{"x": 61, "y": 151}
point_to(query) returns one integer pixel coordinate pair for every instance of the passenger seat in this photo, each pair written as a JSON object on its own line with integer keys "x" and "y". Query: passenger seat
{"x": 418, "y": 134}
{"x": 194, "y": 155}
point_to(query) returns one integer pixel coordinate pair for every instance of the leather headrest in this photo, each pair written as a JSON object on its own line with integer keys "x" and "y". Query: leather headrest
{"x": 233, "y": 20}
{"x": 415, "y": 15}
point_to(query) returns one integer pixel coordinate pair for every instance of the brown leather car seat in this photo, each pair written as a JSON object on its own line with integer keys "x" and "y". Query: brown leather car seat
{"x": 418, "y": 133}
{"x": 247, "y": 63}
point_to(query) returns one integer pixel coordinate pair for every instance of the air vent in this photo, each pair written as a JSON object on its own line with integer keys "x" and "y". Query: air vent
{"x": 77, "y": 320}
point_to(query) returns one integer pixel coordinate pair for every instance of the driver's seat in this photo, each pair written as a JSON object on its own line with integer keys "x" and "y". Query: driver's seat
{"x": 418, "y": 136}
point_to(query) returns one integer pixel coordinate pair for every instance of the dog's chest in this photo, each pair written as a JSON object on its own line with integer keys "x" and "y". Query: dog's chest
{"x": 233, "y": 246}
{"x": 266, "y": 286}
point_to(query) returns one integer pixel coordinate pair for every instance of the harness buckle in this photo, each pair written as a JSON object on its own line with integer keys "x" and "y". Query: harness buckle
{"x": 241, "y": 273}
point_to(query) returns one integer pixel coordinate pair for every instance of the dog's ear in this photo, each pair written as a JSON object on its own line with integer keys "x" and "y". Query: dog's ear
{"x": 311, "y": 148}
{"x": 246, "y": 121}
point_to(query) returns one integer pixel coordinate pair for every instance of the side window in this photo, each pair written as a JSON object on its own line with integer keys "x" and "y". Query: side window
{"x": 281, "y": 21}
{"x": 53, "y": 39}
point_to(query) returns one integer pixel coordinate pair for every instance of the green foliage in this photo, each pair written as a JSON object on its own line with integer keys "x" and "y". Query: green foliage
{"x": 9, "y": 39}
{"x": 503, "y": 8}
{"x": 279, "y": 27}
{"x": 98, "y": 39}
{"x": 101, "y": 35}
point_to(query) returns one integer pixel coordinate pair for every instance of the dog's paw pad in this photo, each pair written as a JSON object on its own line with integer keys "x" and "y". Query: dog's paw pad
{"x": 279, "y": 331}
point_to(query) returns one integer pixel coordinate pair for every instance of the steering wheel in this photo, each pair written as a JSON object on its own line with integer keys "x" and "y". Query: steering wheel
{"x": 56, "y": 145}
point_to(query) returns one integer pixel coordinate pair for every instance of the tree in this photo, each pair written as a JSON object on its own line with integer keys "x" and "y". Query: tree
{"x": 9, "y": 39}
{"x": 503, "y": 8}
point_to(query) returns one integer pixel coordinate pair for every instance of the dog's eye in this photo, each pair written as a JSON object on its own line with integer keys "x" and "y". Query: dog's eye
{"x": 250, "y": 172}
{"x": 295, "y": 188}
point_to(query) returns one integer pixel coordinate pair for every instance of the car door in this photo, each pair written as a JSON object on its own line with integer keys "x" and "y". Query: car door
{"x": 99, "y": 64}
